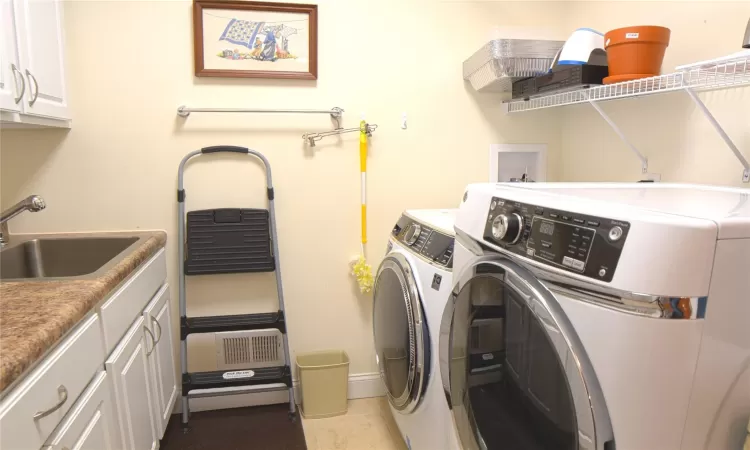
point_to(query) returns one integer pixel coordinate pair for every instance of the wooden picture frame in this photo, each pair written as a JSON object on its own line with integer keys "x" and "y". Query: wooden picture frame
{"x": 267, "y": 40}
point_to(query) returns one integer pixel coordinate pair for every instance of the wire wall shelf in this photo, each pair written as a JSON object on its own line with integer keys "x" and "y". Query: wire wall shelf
{"x": 722, "y": 73}
{"x": 731, "y": 73}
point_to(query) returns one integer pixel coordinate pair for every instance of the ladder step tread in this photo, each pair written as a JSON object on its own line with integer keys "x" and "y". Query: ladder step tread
{"x": 228, "y": 240}
{"x": 231, "y": 378}
{"x": 242, "y": 268}
{"x": 236, "y": 322}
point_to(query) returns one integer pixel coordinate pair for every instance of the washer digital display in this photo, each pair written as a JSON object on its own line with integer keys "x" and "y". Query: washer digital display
{"x": 580, "y": 243}
{"x": 547, "y": 228}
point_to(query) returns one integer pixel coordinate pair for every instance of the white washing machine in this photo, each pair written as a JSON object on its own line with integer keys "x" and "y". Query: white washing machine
{"x": 625, "y": 310}
{"x": 412, "y": 286}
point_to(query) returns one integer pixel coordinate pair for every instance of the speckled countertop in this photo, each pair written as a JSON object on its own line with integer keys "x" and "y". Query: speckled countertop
{"x": 34, "y": 315}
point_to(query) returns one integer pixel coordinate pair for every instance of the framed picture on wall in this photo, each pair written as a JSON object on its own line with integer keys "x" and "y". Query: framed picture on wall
{"x": 238, "y": 39}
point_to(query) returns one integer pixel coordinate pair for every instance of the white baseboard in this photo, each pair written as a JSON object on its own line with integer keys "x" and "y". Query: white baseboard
{"x": 361, "y": 385}
{"x": 364, "y": 385}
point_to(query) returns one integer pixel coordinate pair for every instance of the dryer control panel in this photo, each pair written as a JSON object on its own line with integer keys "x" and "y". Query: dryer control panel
{"x": 429, "y": 243}
{"x": 582, "y": 244}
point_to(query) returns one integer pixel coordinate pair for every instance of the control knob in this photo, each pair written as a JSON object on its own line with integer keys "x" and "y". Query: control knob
{"x": 507, "y": 227}
{"x": 412, "y": 233}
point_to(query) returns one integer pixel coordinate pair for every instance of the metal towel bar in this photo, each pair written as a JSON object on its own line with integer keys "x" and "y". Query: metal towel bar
{"x": 185, "y": 111}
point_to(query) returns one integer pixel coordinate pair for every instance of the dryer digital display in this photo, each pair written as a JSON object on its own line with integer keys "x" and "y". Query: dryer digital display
{"x": 582, "y": 244}
{"x": 428, "y": 243}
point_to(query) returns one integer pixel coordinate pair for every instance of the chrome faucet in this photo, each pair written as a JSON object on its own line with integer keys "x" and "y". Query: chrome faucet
{"x": 31, "y": 203}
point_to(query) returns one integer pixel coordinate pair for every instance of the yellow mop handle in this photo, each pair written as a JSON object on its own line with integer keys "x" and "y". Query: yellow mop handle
{"x": 363, "y": 170}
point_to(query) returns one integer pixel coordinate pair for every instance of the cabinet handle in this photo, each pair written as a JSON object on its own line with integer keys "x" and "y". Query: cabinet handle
{"x": 36, "y": 87}
{"x": 158, "y": 327}
{"x": 153, "y": 341}
{"x": 63, "y": 398}
{"x": 14, "y": 69}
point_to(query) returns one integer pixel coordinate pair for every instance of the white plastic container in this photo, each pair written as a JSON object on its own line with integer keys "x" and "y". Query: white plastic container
{"x": 580, "y": 44}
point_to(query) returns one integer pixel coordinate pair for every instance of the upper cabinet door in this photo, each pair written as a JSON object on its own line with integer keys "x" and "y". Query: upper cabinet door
{"x": 41, "y": 41}
{"x": 11, "y": 77}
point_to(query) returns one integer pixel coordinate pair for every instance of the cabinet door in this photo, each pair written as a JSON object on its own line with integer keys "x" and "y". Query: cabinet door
{"x": 90, "y": 425}
{"x": 31, "y": 412}
{"x": 40, "y": 32}
{"x": 11, "y": 80}
{"x": 128, "y": 366}
{"x": 158, "y": 315}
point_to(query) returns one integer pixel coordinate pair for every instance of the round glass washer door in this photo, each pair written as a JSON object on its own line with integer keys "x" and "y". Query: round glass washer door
{"x": 400, "y": 333}
{"x": 514, "y": 371}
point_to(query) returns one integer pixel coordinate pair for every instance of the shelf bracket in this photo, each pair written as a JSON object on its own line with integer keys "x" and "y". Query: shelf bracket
{"x": 618, "y": 131}
{"x": 699, "y": 103}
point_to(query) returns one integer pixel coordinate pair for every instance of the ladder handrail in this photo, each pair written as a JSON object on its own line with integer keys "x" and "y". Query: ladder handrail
{"x": 181, "y": 255}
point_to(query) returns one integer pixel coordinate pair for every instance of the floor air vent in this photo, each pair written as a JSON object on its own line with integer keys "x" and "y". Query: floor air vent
{"x": 248, "y": 349}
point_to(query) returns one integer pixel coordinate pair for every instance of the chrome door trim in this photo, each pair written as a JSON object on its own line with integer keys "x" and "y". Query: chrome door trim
{"x": 592, "y": 417}
{"x": 410, "y": 398}
{"x": 641, "y": 304}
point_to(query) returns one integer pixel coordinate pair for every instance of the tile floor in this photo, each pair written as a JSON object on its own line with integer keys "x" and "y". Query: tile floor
{"x": 367, "y": 425}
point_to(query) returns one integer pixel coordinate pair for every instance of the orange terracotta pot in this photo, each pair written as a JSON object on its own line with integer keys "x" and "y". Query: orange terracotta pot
{"x": 635, "y": 52}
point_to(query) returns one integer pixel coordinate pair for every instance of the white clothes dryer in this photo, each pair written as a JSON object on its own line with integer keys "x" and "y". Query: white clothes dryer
{"x": 625, "y": 317}
{"x": 412, "y": 286}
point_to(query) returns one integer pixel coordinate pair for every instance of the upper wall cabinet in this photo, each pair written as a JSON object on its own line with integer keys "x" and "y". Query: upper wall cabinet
{"x": 32, "y": 76}
{"x": 11, "y": 93}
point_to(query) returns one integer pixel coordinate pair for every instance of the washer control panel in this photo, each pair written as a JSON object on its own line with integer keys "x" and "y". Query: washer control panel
{"x": 582, "y": 244}
{"x": 431, "y": 244}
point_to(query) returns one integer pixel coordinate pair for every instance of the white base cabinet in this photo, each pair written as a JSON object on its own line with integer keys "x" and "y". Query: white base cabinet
{"x": 133, "y": 395}
{"x": 68, "y": 402}
{"x": 31, "y": 412}
{"x": 161, "y": 360}
{"x": 91, "y": 423}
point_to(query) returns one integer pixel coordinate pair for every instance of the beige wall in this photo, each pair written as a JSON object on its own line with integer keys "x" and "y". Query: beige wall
{"x": 676, "y": 137}
{"x": 130, "y": 66}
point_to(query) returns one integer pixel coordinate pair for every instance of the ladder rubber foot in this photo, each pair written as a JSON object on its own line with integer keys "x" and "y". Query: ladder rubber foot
{"x": 238, "y": 322}
{"x": 185, "y": 429}
{"x": 233, "y": 378}
{"x": 293, "y": 417}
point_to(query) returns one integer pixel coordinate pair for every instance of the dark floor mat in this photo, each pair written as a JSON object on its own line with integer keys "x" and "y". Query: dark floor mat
{"x": 258, "y": 427}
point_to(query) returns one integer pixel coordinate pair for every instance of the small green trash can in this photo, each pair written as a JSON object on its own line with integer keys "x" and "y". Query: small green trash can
{"x": 324, "y": 382}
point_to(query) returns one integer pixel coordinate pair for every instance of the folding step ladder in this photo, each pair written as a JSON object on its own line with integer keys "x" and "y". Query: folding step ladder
{"x": 230, "y": 240}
